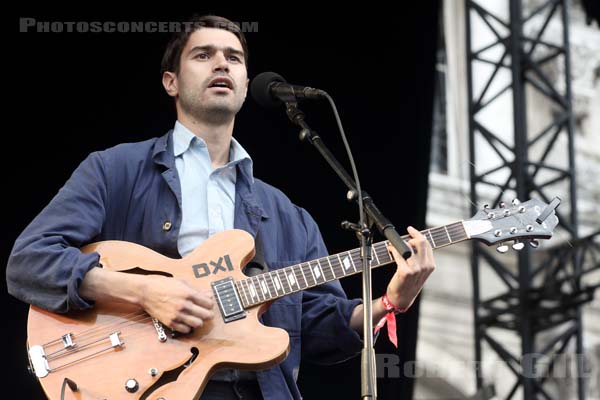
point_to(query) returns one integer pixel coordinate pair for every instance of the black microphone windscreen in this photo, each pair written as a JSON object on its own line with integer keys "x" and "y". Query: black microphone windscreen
{"x": 260, "y": 89}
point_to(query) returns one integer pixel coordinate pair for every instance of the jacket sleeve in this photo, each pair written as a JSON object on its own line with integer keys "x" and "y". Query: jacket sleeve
{"x": 46, "y": 267}
{"x": 327, "y": 337}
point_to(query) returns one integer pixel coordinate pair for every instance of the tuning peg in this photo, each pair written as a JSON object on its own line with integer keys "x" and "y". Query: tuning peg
{"x": 515, "y": 202}
{"x": 534, "y": 243}
{"x": 502, "y": 204}
{"x": 502, "y": 249}
{"x": 486, "y": 207}
{"x": 518, "y": 245}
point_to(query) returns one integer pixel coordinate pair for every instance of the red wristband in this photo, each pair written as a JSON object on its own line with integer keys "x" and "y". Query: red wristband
{"x": 390, "y": 319}
{"x": 389, "y": 307}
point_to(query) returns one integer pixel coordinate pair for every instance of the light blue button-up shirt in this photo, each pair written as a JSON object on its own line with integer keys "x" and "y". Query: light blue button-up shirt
{"x": 207, "y": 194}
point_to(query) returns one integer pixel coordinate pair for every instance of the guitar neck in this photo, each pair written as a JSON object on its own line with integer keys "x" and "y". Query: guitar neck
{"x": 295, "y": 278}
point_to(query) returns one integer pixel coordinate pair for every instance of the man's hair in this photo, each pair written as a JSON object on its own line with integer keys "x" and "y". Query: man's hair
{"x": 172, "y": 56}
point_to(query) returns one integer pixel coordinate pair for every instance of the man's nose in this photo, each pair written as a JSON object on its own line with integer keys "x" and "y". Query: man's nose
{"x": 221, "y": 63}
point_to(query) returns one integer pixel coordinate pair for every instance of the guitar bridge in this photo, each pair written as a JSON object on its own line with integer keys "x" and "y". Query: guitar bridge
{"x": 228, "y": 300}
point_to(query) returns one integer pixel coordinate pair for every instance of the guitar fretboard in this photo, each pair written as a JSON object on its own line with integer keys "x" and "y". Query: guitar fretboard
{"x": 281, "y": 282}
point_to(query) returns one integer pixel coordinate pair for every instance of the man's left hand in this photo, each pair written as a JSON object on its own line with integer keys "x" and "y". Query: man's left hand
{"x": 412, "y": 273}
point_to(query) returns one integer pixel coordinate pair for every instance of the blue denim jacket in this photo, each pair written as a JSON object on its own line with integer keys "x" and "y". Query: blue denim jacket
{"x": 129, "y": 192}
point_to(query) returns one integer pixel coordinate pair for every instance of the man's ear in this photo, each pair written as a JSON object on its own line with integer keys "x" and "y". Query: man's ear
{"x": 169, "y": 81}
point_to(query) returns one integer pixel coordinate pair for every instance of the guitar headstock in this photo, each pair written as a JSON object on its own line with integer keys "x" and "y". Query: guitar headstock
{"x": 519, "y": 222}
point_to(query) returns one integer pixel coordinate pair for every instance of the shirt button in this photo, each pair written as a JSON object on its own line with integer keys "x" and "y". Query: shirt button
{"x": 167, "y": 226}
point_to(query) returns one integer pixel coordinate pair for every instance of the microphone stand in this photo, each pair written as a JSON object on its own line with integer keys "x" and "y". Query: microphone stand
{"x": 365, "y": 235}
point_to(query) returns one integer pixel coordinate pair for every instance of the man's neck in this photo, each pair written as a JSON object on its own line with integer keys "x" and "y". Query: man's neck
{"x": 217, "y": 137}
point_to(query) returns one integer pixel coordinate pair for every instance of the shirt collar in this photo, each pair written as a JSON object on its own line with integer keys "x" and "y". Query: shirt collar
{"x": 183, "y": 139}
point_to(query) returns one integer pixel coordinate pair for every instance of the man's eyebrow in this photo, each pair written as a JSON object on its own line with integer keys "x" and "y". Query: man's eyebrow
{"x": 229, "y": 50}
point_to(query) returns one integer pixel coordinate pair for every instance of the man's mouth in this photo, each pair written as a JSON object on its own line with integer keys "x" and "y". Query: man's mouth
{"x": 221, "y": 83}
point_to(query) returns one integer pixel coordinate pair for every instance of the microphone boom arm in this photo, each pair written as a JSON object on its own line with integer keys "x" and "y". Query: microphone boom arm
{"x": 384, "y": 226}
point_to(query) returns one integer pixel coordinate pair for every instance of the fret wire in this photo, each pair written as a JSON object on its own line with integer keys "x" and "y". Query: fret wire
{"x": 439, "y": 236}
{"x": 258, "y": 291}
{"x": 287, "y": 278}
{"x": 297, "y": 269}
{"x": 261, "y": 282}
{"x": 267, "y": 286}
{"x": 449, "y": 238}
{"x": 376, "y": 257}
{"x": 272, "y": 283}
{"x": 331, "y": 266}
{"x": 338, "y": 267}
{"x": 356, "y": 252}
{"x": 283, "y": 281}
{"x": 329, "y": 276}
{"x": 264, "y": 279}
{"x": 385, "y": 252}
{"x": 452, "y": 231}
{"x": 241, "y": 289}
{"x": 303, "y": 274}
{"x": 341, "y": 265}
{"x": 258, "y": 288}
{"x": 351, "y": 260}
{"x": 249, "y": 291}
{"x": 312, "y": 276}
{"x": 430, "y": 237}
{"x": 309, "y": 277}
{"x": 320, "y": 270}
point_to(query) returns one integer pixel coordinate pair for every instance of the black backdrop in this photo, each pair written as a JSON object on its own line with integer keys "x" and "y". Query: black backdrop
{"x": 73, "y": 93}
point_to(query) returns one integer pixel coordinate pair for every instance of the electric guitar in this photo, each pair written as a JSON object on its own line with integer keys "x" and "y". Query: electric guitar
{"x": 117, "y": 351}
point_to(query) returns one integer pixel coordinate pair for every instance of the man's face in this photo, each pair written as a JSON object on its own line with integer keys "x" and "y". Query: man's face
{"x": 213, "y": 81}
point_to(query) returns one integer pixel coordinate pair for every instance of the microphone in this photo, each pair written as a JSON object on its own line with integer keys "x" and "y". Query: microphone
{"x": 270, "y": 89}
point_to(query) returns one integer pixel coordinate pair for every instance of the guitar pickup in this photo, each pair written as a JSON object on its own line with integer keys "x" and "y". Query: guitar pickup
{"x": 228, "y": 300}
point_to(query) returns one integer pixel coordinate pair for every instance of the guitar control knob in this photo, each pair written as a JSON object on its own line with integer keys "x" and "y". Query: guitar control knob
{"x": 502, "y": 249}
{"x": 132, "y": 385}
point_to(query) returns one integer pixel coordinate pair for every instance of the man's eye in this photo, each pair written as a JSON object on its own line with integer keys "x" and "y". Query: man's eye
{"x": 234, "y": 58}
{"x": 202, "y": 56}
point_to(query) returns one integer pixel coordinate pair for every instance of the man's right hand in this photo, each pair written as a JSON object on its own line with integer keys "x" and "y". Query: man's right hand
{"x": 172, "y": 301}
{"x": 176, "y": 303}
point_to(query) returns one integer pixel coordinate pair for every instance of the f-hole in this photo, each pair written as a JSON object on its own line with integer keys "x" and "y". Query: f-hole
{"x": 171, "y": 375}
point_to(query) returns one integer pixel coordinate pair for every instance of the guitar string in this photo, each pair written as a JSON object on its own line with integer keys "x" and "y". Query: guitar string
{"x": 133, "y": 318}
{"x": 133, "y": 314}
{"x": 380, "y": 249}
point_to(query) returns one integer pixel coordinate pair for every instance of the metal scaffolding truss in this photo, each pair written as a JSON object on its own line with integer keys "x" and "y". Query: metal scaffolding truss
{"x": 541, "y": 299}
